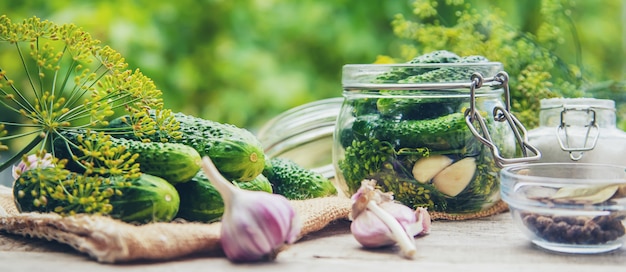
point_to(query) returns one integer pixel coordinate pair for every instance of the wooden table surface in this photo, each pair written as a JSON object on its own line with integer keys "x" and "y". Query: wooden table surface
{"x": 487, "y": 244}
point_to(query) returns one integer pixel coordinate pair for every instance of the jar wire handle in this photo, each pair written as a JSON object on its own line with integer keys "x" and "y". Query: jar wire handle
{"x": 591, "y": 136}
{"x": 500, "y": 114}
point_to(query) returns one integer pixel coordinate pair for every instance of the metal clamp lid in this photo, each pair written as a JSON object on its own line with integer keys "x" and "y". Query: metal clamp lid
{"x": 500, "y": 114}
{"x": 591, "y": 135}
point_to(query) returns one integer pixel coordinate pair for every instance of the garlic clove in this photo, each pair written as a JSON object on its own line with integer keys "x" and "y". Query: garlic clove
{"x": 256, "y": 225}
{"x": 379, "y": 221}
{"x": 422, "y": 225}
{"x": 399, "y": 234}
{"x": 453, "y": 179}
{"x": 426, "y": 168}
{"x": 370, "y": 231}
{"x": 403, "y": 214}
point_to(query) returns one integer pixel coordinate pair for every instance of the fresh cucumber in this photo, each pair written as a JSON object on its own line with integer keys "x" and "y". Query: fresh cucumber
{"x": 147, "y": 199}
{"x": 200, "y": 201}
{"x": 236, "y": 152}
{"x": 296, "y": 182}
{"x": 173, "y": 162}
{"x": 139, "y": 200}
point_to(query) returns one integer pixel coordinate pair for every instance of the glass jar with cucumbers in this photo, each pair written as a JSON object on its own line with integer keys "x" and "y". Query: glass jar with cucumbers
{"x": 434, "y": 131}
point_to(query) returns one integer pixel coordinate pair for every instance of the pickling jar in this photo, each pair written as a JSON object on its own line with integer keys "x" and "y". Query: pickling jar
{"x": 579, "y": 130}
{"x": 435, "y": 135}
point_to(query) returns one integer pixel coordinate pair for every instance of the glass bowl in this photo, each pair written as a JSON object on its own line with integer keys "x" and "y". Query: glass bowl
{"x": 568, "y": 207}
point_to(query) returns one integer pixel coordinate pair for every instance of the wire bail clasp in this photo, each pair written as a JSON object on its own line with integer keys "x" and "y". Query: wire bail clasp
{"x": 591, "y": 135}
{"x": 500, "y": 114}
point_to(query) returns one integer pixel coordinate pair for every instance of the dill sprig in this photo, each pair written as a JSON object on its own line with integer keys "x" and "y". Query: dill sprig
{"x": 94, "y": 152}
{"x": 69, "y": 81}
{"x": 536, "y": 70}
{"x": 55, "y": 189}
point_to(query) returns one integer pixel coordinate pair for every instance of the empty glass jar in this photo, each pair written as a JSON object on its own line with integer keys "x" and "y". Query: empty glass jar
{"x": 579, "y": 130}
{"x": 304, "y": 134}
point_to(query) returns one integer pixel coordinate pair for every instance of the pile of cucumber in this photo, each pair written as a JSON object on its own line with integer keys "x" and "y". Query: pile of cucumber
{"x": 171, "y": 184}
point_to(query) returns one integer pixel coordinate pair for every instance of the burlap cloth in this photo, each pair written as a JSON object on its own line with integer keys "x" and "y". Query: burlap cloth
{"x": 112, "y": 241}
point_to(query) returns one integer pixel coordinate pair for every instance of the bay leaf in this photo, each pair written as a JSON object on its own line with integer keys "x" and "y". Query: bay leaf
{"x": 587, "y": 194}
{"x": 621, "y": 192}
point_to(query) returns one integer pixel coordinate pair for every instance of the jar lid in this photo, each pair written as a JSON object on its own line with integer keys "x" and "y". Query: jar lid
{"x": 304, "y": 134}
{"x": 550, "y": 103}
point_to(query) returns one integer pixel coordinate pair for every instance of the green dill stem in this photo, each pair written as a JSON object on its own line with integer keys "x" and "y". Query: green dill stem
{"x": 9, "y": 106}
{"x": 18, "y": 156}
{"x": 31, "y": 108}
{"x": 56, "y": 73}
{"x": 41, "y": 85}
{"x": 76, "y": 93}
{"x": 21, "y": 134}
{"x": 79, "y": 111}
{"x": 69, "y": 102}
{"x": 30, "y": 79}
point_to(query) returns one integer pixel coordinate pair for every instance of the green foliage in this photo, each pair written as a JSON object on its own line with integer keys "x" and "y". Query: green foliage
{"x": 535, "y": 69}
{"x": 210, "y": 57}
{"x": 263, "y": 57}
{"x": 364, "y": 158}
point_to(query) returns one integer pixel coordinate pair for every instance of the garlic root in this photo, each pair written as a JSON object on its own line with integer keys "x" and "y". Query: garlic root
{"x": 404, "y": 240}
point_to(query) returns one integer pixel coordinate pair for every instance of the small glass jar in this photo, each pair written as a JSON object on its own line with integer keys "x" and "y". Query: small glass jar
{"x": 579, "y": 130}
{"x": 411, "y": 128}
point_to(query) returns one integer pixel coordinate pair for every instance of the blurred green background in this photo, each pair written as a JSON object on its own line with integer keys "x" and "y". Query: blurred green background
{"x": 245, "y": 61}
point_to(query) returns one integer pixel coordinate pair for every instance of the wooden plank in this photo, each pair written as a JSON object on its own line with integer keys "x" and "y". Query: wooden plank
{"x": 487, "y": 244}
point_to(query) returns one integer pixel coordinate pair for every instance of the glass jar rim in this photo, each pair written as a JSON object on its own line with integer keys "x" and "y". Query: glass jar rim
{"x": 367, "y": 76}
{"x": 296, "y": 131}
{"x": 600, "y": 173}
{"x": 515, "y": 176}
{"x": 560, "y": 102}
{"x": 447, "y": 64}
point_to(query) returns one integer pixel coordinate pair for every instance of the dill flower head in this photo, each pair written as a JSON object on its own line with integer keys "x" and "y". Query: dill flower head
{"x": 69, "y": 81}
{"x": 56, "y": 189}
{"x": 536, "y": 71}
{"x": 61, "y": 80}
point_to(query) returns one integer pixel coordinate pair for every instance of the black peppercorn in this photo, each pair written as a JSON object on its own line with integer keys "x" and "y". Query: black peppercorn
{"x": 575, "y": 230}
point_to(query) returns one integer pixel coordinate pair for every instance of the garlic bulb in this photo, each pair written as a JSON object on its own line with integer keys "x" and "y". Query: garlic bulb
{"x": 256, "y": 225}
{"x": 378, "y": 221}
{"x": 31, "y": 162}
